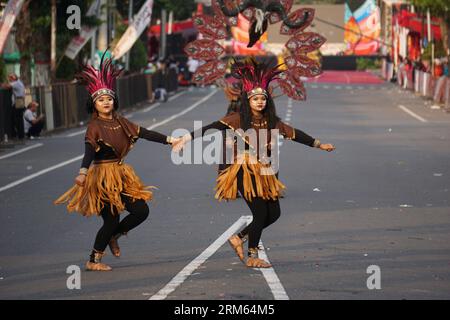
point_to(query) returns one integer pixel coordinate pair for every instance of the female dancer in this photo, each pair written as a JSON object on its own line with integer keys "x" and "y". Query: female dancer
{"x": 254, "y": 179}
{"x": 109, "y": 186}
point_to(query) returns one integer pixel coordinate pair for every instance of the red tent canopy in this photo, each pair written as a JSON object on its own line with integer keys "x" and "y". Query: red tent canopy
{"x": 418, "y": 24}
{"x": 176, "y": 27}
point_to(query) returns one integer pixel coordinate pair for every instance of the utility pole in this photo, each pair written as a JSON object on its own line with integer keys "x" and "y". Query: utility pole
{"x": 53, "y": 43}
{"x": 163, "y": 41}
{"x": 102, "y": 40}
{"x": 130, "y": 19}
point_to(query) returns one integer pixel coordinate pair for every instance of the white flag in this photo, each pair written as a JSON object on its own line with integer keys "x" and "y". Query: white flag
{"x": 7, "y": 20}
{"x": 140, "y": 23}
{"x": 86, "y": 33}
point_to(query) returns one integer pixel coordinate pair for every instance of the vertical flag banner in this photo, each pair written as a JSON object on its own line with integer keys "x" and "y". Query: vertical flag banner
{"x": 86, "y": 33}
{"x": 139, "y": 24}
{"x": 7, "y": 21}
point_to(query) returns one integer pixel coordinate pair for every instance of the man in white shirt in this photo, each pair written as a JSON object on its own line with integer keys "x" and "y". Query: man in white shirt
{"x": 18, "y": 103}
{"x": 32, "y": 123}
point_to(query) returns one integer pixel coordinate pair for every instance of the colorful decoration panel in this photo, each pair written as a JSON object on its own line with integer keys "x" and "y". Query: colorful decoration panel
{"x": 362, "y": 27}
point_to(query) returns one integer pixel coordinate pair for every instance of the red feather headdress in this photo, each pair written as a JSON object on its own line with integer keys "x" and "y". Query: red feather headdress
{"x": 255, "y": 77}
{"x": 101, "y": 81}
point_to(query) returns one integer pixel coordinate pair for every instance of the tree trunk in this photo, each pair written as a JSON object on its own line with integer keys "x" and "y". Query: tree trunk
{"x": 23, "y": 40}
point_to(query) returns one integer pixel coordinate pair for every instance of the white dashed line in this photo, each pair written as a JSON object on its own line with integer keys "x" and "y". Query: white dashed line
{"x": 278, "y": 291}
{"x": 21, "y": 151}
{"x": 199, "y": 260}
{"x": 412, "y": 114}
{"x": 274, "y": 283}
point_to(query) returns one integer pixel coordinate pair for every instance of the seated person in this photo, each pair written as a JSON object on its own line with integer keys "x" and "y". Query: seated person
{"x": 33, "y": 124}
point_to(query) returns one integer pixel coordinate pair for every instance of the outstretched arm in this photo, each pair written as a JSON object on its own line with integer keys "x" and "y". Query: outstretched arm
{"x": 178, "y": 145}
{"x": 201, "y": 132}
{"x": 302, "y": 137}
{"x": 154, "y": 136}
{"x": 299, "y": 136}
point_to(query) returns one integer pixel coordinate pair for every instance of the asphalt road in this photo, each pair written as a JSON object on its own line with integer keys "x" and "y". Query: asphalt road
{"x": 382, "y": 198}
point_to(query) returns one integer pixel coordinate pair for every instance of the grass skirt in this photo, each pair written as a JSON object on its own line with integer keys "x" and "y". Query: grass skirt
{"x": 265, "y": 186}
{"x": 105, "y": 183}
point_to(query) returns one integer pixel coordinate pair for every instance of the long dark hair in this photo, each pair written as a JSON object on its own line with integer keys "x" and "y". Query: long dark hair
{"x": 90, "y": 104}
{"x": 269, "y": 113}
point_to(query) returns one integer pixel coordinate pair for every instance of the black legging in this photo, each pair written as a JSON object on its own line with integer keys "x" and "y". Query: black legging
{"x": 265, "y": 212}
{"x": 113, "y": 226}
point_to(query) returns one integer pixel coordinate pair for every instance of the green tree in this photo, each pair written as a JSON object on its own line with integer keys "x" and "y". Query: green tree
{"x": 33, "y": 27}
{"x": 438, "y": 8}
{"x": 138, "y": 56}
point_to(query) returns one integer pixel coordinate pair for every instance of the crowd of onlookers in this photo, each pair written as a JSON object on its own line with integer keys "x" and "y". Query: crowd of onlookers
{"x": 183, "y": 68}
{"x": 429, "y": 79}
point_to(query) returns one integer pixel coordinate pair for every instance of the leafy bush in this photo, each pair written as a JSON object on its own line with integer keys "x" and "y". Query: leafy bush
{"x": 368, "y": 64}
{"x": 439, "y": 51}
{"x": 138, "y": 56}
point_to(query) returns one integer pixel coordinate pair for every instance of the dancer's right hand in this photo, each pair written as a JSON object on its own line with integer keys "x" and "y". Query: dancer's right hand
{"x": 80, "y": 179}
{"x": 179, "y": 145}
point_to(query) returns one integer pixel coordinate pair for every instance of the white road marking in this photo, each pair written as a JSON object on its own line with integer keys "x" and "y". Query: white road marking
{"x": 177, "y": 95}
{"x": 37, "y": 174}
{"x": 287, "y": 118}
{"x": 271, "y": 277}
{"x": 153, "y": 106}
{"x": 195, "y": 105}
{"x": 21, "y": 150}
{"x": 274, "y": 283}
{"x": 199, "y": 260}
{"x": 76, "y": 133}
{"x": 40, "y": 173}
{"x": 405, "y": 109}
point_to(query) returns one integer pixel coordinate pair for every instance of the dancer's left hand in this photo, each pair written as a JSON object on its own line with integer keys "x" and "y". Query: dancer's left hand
{"x": 327, "y": 147}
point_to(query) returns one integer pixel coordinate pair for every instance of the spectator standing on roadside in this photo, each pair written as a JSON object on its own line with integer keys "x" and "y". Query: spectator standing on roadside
{"x": 18, "y": 104}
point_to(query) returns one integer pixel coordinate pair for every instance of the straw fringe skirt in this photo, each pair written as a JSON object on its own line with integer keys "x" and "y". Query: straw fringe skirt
{"x": 266, "y": 186}
{"x": 104, "y": 184}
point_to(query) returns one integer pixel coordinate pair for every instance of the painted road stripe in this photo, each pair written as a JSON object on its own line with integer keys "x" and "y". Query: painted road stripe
{"x": 274, "y": 283}
{"x": 76, "y": 133}
{"x": 197, "y": 262}
{"x": 153, "y": 106}
{"x": 271, "y": 277}
{"x": 21, "y": 150}
{"x": 412, "y": 114}
{"x": 195, "y": 105}
{"x": 177, "y": 95}
{"x": 37, "y": 174}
